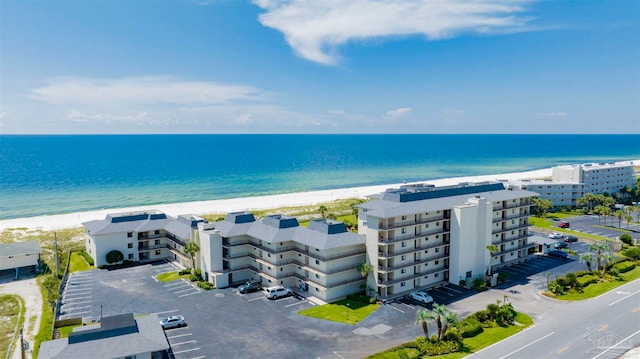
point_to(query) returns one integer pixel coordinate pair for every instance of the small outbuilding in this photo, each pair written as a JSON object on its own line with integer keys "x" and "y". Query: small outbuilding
{"x": 19, "y": 254}
{"x": 543, "y": 244}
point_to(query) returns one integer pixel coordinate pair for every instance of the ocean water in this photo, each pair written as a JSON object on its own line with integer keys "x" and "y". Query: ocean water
{"x": 61, "y": 174}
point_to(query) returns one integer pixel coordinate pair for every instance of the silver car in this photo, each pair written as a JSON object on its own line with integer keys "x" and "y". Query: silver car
{"x": 421, "y": 296}
{"x": 173, "y": 321}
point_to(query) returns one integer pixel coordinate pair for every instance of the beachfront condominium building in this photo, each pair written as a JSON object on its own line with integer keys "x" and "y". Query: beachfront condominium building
{"x": 322, "y": 258}
{"x": 571, "y": 182}
{"x": 421, "y": 236}
{"x": 140, "y": 236}
{"x": 598, "y": 177}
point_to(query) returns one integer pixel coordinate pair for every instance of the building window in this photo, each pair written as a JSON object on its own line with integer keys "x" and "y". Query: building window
{"x": 269, "y": 255}
{"x": 317, "y": 290}
{"x": 437, "y": 249}
{"x": 436, "y": 262}
{"x": 437, "y": 236}
{"x": 511, "y": 243}
{"x": 404, "y": 230}
{"x": 403, "y": 284}
{"x": 403, "y": 270}
{"x": 469, "y": 274}
{"x": 157, "y": 232}
{"x": 157, "y": 241}
{"x": 404, "y": 244}
{"x": 426, "y": 251}
{"x": 157, "y": 252}
{"x": 317, "y": 275}
{"x": 404, "y": 256}
{"x": 404, "y": 218}
{"x": 436, "y": 275}
{"x": 317, "y": 261}
{"x": 426, "y": 225}
{"x": 129, "y": 234}
{"x": 281, "y": 269}
{"x": 269, "y": 268}
{"x": 129, "y": 245}
{"x": 426, "y": 276}
{"x": 130, "y": 256}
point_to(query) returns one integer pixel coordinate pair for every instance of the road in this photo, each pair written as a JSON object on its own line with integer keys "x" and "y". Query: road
{"x": 602, "y": 327}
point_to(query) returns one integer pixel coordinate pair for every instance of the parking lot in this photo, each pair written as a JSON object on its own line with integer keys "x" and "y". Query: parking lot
{"x": 592, "y": 224}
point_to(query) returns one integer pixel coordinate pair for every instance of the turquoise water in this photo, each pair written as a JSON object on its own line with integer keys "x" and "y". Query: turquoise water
{"x": 60, "y": 174}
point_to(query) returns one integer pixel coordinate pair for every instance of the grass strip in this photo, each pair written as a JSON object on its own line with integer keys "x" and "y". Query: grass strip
{"x": 343, "y": 311}
{"x": 78, "y": 263}
{"x": 169, "y": 276}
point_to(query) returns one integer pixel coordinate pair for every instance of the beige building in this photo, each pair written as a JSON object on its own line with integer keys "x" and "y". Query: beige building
{"x": 421, "y": 236}
{"x": 597, "y": 177}
{"x": 322, "y": 258}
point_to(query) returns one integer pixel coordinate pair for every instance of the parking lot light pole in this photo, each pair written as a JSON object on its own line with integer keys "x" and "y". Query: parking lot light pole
{"x": 347, "y": 310}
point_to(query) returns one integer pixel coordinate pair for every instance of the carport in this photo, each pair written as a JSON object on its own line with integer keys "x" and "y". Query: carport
{"x": 543, "y": 244}
{"x": 19, "y": 254}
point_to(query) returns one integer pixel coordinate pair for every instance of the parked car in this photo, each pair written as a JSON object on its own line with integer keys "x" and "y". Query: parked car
{"x": 250, "y": 286}
{"x": 277, "y": 291}
{"x": 563, "y": 224}
{"x": 560, "y": 245}
{"x": 558, "y": 254}
{"x": 173, "y": 321}
{"x": 555, "y": 235}
{"x": 570, "y": 238}
{"x": 421, "y": 296}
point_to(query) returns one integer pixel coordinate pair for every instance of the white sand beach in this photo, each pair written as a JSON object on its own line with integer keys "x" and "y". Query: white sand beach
{"x": 71, "y": 220}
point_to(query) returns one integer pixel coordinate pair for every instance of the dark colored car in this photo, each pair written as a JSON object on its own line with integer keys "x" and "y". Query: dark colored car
{"x": 570, "y": 238}
{"x": 558, "y": 254}
{"x": 250, "y": 286}
{"x": 563, "y": 224}
{"x": 560, "y": 245}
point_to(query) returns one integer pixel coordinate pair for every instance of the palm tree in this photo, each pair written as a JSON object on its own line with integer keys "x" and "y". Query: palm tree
{"x": 493, "y": 310}
{"x": 619, "y": 214}
{"x": 440, "y": 311}
{"x": 50, "y": 283}
{"x": 364, "y": 269}
{"x": 322, "y": 209}
{"x": 587, "y": 258}
{"x": 425, "y": 316}
{"x": 542, "y": 206}
{"x": 599, "y": 248}
{"x": 191, "y": 249}
{"x": 492, "y": 248}
{"x": 450, "y": 318}
{"x": 607, "y": 258}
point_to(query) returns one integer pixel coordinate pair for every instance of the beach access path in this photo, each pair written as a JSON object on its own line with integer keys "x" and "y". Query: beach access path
{"x": 72, "y": 220}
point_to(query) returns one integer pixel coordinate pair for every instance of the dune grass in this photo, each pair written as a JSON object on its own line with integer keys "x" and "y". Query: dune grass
{"x": 343, "y": 311}
{"x": 11, "y": 317}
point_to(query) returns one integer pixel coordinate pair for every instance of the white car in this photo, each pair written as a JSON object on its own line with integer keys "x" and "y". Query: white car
{"x": 421, "y": 296}
{"x": 555, "y": 235}
{"x": 277, "y": 291}
{"x": 173, "y": 321}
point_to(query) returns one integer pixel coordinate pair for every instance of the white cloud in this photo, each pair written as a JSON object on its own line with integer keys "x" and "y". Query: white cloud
{"x": 140, "y": 90}
{"x": 399, "y": 112}
{"x": 81, "y": 117}
{"x": 314, "y": 28}
{"x": 552, "y": 114}
{"x": 244, "y": 119}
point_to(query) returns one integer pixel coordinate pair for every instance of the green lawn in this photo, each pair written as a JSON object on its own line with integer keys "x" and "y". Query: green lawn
{"x": 340, "y": 312}
{"x": 64, "y": 331}
{"x": 78, "y": 263}
{"x": 169, "y": 276}
{"x": 11, "y": 317}
{"x": 595, "y": 289}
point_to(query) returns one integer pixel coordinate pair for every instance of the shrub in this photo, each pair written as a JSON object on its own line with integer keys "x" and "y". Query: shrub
{"x": 114, "y": 256}
{"x": 198, "y": 272}
{"x": 185, "y": 271}
{"x": 470, "y": 327}
{"x": 372, "y": 300}
{"x": 194, "y": 278}
{"x": 580, "y": 273}
{"x": 481, "y": 316}
{"x": 633, "y": 252}
{"x": 440, "y": 347}
{"x": 452, "y": 334}
{"x": 502, "y": 277}
{"x": 205, "y": 285}
{"x": 127, "y": 262}
{"x": 585, "y": 280}
{"x": 624, "y": 267}
{"x": 87, "y": 257}
{"x": 626, "y": 239}
{"x": 480, "y": 285}
{"x": 555, "y": 287}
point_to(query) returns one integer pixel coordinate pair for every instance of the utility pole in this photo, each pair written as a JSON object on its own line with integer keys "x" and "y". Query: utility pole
{"x": 55, "y": 249}
{"x": 100, "y": 312}
{"x": 22, "y": 342}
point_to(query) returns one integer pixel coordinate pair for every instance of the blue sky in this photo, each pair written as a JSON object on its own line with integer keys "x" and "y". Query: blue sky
{"x": 335, "y": 66}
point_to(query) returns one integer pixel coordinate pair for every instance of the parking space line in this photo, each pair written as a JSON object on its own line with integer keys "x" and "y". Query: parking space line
{"x": 187, "y": 342}
{"x": 66, "y": 298}
{"x": 291, "y": 305}
{"x": 76, "y": 303}
{"x": 184, "y": 351}
{"x": 405, "y": 304}
{"x": 457, "y": 291}
{"x": 76, "y": 308}
{"x": 179, "y": 335}
{"x": 198, "y": 357}
{"x": 256, "y": 298}
{"x": 170, "y": 284}
{"x": 184, "y": 295}
{"x": 88, "y": 311}
{"x": 400, "y": 310}
{"x": 166, "y": 311}
{"x": 183, "y": 290}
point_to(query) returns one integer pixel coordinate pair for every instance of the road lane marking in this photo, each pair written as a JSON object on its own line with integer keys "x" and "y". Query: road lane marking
{"x": 618, "y": 343}
{"x": 623, "y": 298}
{"x": 562, "y": 349}
{"x": 179, "y": 335}
{"x": 533, "y": 342}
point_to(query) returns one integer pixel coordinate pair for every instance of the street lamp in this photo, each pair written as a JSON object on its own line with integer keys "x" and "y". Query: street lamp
{"x": 347, "y": 310}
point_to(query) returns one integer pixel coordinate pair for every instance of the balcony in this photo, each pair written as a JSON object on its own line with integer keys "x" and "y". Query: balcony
{"x": 512, "y": 216}
{"x": 391, "y": 254}
{"x": 510, "y": 228}
{"x": 411, "y": 223}
{"x": 410, "y": 236}
{"x": 387, "y": 282}
{"x": 150, "y": 248}
{"x": 507, "y": 240}
{"x": 387, "y": 269}
{"x": 525, "y": 246}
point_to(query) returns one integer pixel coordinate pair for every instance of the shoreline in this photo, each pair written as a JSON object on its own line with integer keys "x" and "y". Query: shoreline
{"x": 74, "y": 220}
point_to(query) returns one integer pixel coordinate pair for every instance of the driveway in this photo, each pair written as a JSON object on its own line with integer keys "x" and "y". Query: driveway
{"x": 27, "y": 288}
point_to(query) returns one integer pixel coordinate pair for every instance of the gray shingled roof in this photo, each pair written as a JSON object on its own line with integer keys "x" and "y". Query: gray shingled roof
{"x": 19, "y": 248}
{"x": 109, "y": 225}
{"x": 149, "y": 338}
{"x": 386, "y": 209}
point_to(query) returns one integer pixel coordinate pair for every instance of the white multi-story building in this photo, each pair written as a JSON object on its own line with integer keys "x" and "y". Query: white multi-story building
{"x": 140, "y": 236}
{"x": 560, "y": 193}
{"x": 597, "y": 177}
{"x": 322, "y": 258}
{"x": 421, "y": 236}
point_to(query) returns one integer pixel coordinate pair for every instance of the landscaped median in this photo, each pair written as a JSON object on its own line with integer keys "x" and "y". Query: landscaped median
{"x": 195, "y": 277}
{"x": 348, "y": 311}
